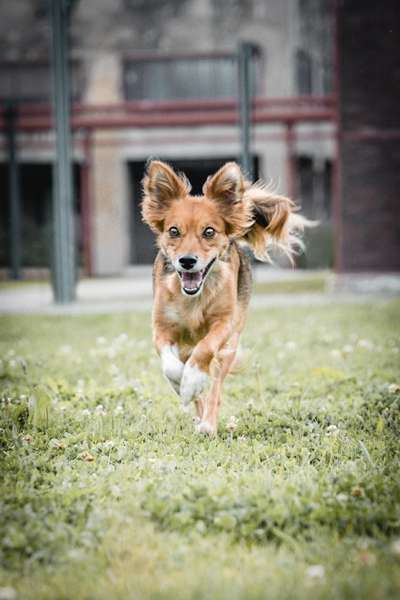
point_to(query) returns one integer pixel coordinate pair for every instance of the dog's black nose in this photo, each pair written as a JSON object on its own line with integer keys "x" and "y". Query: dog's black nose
{"x": 188, "y": 261}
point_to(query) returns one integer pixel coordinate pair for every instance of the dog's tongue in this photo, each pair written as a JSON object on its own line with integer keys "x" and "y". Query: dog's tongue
{"x": 191, "y": 281}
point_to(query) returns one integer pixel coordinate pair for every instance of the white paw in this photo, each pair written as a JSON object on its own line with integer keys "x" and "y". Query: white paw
{"x": 194, "y": 381}
{"x": 172, "y": 366}
{"x": 206, "y": 428}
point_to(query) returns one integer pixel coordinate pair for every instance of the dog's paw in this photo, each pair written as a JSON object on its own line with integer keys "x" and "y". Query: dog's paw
{"x": 172, "y": 366}
{"x": 194, "y": 382}
{"x": 206, "y": 428}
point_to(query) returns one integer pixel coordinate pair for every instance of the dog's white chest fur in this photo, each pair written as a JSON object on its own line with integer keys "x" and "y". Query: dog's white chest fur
{"x": 171, "y": 313}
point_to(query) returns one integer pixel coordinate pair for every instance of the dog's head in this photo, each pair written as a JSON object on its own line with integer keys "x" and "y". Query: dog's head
{"x": 195, "y": 231}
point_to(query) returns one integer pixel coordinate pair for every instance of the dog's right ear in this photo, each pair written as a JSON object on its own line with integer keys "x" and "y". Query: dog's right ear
{"x": 161, "y": 185}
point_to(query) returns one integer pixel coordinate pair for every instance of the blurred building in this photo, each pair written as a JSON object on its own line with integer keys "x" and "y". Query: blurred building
{"x": 156, "y": 78}
{"x": 368, "y": 219}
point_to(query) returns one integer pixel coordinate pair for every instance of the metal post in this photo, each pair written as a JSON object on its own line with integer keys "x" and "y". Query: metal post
{"x": 290, "y": 154}
{"x": 86, "y": 189}
{"x": 14, "y": 194}
{"x": 245, "y": 54}
{"x": 64, "y": 247}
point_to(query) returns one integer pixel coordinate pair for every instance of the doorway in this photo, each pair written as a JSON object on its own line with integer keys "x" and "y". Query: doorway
{"x": 142, "y": 247}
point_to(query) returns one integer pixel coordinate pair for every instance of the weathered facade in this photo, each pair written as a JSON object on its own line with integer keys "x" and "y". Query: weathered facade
{"x": 155, "y": 78}
{"x": 369, "y": 97}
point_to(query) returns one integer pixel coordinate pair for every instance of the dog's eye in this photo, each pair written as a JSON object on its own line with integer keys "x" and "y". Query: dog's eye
{"x": 174, "y": 232}
{"x": 209, "y": 232}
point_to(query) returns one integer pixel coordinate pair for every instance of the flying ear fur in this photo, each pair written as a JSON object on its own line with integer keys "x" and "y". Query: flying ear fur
{"x": 275, "y": 222}
{"x": 161, "y": 185}
{"x": 226, "y": 188}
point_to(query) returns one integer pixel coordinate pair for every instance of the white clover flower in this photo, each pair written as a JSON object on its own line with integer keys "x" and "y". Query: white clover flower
{"x": 232, "y": 423}
{"x": 332, "y": 430}
{"x": 347, "y": 349}
{"x": 57, "y": 444}
{"x": 394, "y": 388}
{"x": 395, "y": 547}
{"x": 65, "y": 349}
{"x": 8, "y": 593}
{"x": 116, "y": 491}
{"x": 342, "y": 498}
{"x": 335, "y": 353}
{"x": 367, "y": 344}
{"x": 85, "y": 412}
{"x": 114, "y": 369}
{"x": 290, "y": 345}
{"x": 122, "y": 338}
{"x": 119, "y": 409}
{"x": 316, "y": 572}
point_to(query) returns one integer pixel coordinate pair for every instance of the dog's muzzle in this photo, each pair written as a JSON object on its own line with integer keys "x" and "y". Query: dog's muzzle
{"x": 192, "y": 281}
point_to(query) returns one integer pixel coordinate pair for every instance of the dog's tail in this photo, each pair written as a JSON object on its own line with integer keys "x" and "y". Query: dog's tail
{"x": 275, "y": 223}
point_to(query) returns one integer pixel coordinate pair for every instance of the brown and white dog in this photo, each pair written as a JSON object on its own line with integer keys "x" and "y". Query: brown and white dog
{"x": 202, "y": 275}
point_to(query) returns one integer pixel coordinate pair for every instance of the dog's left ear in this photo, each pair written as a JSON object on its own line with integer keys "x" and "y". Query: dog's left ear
{"x": 227, "y": 185}
{"x": 227, "y": 188}
{"x": 161, "y": 186}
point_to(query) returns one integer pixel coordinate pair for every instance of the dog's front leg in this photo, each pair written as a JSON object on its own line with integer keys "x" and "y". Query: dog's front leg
{"x": 219, "y": 368}
{"x": 196, "y": 376}
{"x": 171, "y": 364}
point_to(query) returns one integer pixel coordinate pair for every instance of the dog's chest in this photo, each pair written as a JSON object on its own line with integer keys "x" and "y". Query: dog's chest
{"x": 189, "y": 319}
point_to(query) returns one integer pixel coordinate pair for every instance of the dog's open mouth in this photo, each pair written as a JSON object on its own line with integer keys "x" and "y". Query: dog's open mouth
{"x": 192, "y": 282}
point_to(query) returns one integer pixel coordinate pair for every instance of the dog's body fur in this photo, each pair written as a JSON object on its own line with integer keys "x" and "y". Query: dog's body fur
{"x": 202, "y": 275}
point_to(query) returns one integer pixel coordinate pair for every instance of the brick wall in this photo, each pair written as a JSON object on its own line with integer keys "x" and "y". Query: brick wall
{"x": 369, "y": 96}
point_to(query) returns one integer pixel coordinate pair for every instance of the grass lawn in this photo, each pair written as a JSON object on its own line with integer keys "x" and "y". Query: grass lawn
{"x": 306, "y": 285}
{"x": 107, "y": 492}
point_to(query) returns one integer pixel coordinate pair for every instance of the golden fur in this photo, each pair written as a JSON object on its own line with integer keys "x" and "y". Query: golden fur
{"x": 197, "y": 335}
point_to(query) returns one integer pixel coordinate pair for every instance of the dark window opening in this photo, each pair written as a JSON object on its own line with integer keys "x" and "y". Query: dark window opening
{"x": 314, "y": 182}
{"x": 314, "y": 194}
{"x": 183, "y": 78}
{"x": 143, "y": 249}
{"x": 304, "y": 73}
{"x": 36, "y": 208}
{"x": 31, "y": 82}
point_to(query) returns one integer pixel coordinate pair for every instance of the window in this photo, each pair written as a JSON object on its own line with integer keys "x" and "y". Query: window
{"x": 304, "y": 73}
{"x": 200, "y": 77}
{"x": 31, "y": 82}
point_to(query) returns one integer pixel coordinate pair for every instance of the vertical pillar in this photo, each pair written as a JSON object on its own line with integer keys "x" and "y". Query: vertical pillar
{"x": 64, "y": 247}
{"x": 86, "y": 205}
{"x": 14, "y": 194}
{"x": 244, "y": 60}
{"x": 290, "y": 160}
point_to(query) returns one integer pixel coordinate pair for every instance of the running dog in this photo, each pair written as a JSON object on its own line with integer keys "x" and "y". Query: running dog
{"x": 202, "y": 273}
